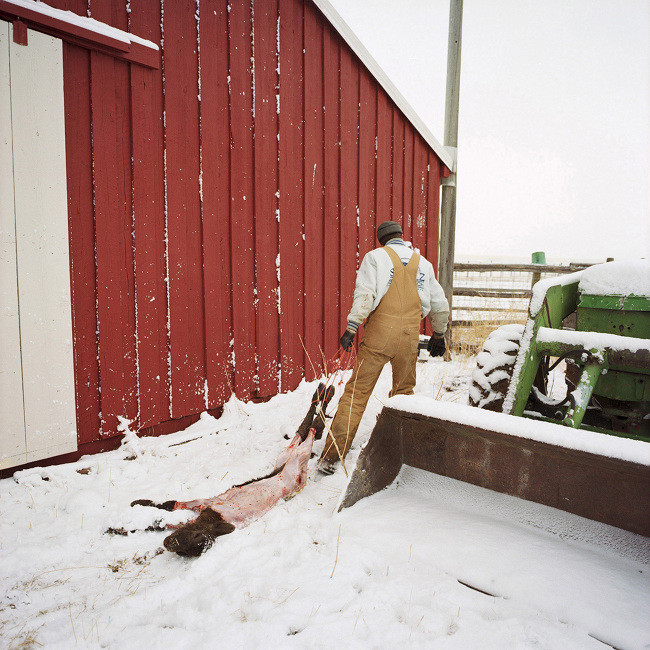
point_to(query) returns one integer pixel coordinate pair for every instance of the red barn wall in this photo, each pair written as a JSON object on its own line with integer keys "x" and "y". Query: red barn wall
{"x": 220, "y": 205}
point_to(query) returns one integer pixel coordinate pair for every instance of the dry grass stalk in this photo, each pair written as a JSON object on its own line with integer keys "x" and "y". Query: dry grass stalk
{"x": 28, "y": 642}
{"x": 467, "y": 339}
{"x": 311, "y": 363}
{"x": 336, "y": 559}
{"x": 72, "y": 623}
{"x": 284, "y": 600}
{"x": 356, "y": 621}
{"x": 330, "y": 435}
{"x": 327, "y": 378}
{"x": 347, "y": 433}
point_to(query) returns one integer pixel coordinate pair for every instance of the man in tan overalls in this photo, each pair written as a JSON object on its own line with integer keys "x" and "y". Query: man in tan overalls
{"x": 395, "y": 289}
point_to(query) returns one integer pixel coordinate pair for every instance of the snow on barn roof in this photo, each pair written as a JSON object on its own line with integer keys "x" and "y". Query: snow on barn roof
{"x": 446, "y": 154}
{"x": 89, "y": 24}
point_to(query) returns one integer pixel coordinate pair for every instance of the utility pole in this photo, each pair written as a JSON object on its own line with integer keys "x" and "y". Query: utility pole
{"x": 448, "y": 200}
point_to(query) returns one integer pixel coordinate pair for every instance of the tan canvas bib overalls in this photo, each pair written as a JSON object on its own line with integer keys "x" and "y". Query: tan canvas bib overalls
{"x": 391, "y": 335}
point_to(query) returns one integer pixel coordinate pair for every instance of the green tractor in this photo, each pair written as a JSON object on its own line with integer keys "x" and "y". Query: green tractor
{"x": 585, "y": 451}
{"x": 598, "y": 322}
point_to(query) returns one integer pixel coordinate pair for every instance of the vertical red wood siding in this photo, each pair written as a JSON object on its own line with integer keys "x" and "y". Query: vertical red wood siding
{"x": 83, "y": 281}
{"x": 291, "y": 188}
{"x": 149, "y": 229}
{"x": 349, "y": 257}
{"x": 242, "y": 197}
{"x": 215, "y": 146}
{"x": 367, "y": 161}
{"x": 184, "y": 232}
{"x": 314, "y": 170}
{"x": 266, "y": 82}
{"x": 332, "y": 216}
{"x": 220, "y": 206}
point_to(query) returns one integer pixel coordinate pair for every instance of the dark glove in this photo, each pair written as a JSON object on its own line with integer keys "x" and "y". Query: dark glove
{"x": 436, "y": 347}
{"x": 346, "y": 340}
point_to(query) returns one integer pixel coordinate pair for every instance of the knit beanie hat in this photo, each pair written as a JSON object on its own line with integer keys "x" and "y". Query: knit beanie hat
{"x": 387, "y": 230}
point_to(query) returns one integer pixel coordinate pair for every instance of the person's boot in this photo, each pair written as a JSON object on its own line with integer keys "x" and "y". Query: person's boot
{"x": 198, "y": 536}
{"x": 327, "y": 468}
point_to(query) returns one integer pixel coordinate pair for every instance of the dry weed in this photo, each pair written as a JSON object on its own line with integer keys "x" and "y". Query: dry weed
{"x": 468, "y": 336}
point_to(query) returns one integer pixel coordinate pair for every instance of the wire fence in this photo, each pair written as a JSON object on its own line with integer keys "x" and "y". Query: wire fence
{"x": 489, "y": 295}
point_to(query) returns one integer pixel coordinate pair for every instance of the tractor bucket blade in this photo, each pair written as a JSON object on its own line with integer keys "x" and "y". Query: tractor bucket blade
{"x": 380, "y": 460}
{"x": 610, "y": 490}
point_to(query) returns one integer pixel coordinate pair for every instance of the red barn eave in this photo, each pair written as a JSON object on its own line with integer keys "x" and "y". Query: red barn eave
{"x": 446, "y": 155}
{"x": 80, "y": 30}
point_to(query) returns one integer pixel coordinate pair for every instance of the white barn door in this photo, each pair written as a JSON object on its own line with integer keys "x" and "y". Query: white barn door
{"x": 37, "y": 398}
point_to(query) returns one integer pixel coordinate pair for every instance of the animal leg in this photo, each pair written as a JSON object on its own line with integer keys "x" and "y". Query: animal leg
{"x": 167, "y": 505}
{"x": 306, "y": 424}
{"x": 319, "y": 420}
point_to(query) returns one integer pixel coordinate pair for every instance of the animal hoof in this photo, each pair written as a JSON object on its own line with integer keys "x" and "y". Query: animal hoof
{"x": 142, "y": 502}
{"x": 167, "y": 505}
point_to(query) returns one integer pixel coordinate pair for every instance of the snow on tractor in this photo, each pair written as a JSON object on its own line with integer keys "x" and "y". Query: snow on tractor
{"x": 587, "y": 452}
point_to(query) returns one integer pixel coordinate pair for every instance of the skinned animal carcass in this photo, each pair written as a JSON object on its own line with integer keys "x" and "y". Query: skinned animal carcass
{"x": 243, "y": 504}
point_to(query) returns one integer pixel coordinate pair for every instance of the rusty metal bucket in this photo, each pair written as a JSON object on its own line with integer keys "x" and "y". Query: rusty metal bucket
{"x": 609, "y": 490}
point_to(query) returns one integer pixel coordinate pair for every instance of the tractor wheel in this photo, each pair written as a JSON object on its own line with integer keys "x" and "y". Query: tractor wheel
{"x": 494, "y": 366}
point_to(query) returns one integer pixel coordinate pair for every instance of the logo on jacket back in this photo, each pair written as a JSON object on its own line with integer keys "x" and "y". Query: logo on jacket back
{"x": 419, "y": 280}
{"x": 390, "y": 277}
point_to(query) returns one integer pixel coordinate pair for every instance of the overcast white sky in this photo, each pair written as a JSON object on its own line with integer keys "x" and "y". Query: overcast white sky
{"x": 554, "y": 139}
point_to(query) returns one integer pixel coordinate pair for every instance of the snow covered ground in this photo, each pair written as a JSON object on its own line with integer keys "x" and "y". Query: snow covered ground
{"x": 427, "y": 563}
